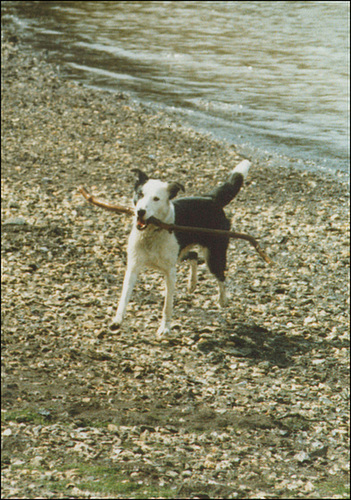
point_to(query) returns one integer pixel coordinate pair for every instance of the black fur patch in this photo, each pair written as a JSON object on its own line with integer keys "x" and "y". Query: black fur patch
{"x": 223, "y": 194}
{"x": 142, "y": 179}
{"x": 203, "y": 212}
{"x": 173, "y": 189}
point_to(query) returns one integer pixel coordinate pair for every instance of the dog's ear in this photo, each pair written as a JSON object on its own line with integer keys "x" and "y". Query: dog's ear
{"x": 142, "y": 177}
{"x": 173, "y": 189}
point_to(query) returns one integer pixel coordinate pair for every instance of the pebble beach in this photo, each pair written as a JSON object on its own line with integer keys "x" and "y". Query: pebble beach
{"x": 250, "y": 401}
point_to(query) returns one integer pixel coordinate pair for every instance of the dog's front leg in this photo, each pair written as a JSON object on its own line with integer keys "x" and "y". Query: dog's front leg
{"x": 165, "y": 326}
{"x": 128, "y": 285}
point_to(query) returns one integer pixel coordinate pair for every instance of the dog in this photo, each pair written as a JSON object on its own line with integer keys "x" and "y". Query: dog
{"x": 151, "y": 246}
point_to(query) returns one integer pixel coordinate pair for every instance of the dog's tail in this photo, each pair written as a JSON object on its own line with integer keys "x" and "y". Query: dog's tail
{"x": 223, "y": 194}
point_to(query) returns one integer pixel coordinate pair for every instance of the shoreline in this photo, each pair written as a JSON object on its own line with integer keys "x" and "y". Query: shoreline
{"x": 271, "y": 159}
{"x": 285, "y": 137}
{"x": 164, "y": 119}
{"x": 269, "y": 373}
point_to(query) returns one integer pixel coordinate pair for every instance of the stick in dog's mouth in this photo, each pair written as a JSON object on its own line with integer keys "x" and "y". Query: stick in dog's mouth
{"x": 172, "y": 227}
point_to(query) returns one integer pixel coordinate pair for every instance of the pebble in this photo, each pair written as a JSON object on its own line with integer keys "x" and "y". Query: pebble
{"x": 232, "y": 394}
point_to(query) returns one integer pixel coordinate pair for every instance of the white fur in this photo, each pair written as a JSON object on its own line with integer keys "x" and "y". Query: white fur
{"x": 152, "y": 247}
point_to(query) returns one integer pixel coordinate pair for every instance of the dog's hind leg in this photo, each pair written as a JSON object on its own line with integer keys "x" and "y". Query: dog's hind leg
{"x": 165, "y": 327}
{"x": 128, "y": 285}
{"x": 222, "y": 297}
{"x": 192, "y": 280}
{"x": 216, "y": 262}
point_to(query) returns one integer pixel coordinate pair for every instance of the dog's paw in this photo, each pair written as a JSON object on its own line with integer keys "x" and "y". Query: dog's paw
{"x": 192, "y": 282}
{"x": 163, "y": 330}
{"x": 223, "y": 299}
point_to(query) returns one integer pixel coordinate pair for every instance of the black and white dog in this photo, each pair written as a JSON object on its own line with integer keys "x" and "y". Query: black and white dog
{"x": 157, "y": 248}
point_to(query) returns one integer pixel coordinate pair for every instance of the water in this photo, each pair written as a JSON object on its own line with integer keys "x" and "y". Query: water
{"x": 272, "y": 77}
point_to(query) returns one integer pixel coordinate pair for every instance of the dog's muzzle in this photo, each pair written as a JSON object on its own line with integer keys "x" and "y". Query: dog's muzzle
{"x": 141, "y": 222}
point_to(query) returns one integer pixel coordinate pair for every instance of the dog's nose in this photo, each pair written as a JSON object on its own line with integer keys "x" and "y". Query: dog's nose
{"x": 141, "y": 212}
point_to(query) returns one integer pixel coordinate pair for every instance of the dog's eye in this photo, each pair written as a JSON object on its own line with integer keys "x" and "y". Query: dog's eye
{"x": 156, "y": 198}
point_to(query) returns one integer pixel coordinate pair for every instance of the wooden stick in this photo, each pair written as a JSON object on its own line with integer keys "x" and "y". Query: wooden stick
{"x": 174, "y": 227}
{"x": 218, "y": 232}
{"x": 112, "y": 208}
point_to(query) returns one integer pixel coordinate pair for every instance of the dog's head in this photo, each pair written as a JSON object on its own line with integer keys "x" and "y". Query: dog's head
{"x": 152, "y": 198}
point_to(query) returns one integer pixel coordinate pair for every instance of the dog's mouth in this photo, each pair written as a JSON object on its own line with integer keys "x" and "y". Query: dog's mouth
{"x": 141, "y": 224}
